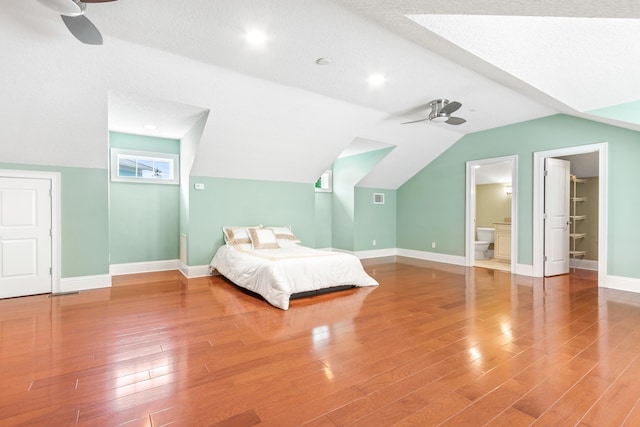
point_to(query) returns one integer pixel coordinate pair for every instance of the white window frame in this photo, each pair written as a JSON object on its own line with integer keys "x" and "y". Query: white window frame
{"x": 326, "y": 182}
{"x": 119, "y": 153}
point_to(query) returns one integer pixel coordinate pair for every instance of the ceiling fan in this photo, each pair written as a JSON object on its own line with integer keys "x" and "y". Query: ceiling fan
{"x": 441, "y": 110}
{"x": 72, "y": 13}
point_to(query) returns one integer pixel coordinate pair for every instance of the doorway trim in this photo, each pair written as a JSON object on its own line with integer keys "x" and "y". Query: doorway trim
{"x": 538, "y": 204}
{"x": 470, "y": 229}
{"x": 54, "y": 177}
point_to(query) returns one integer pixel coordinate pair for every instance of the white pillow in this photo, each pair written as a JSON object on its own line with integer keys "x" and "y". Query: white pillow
{"x": 263, "y": 238}
{"x": 284, "y": 233}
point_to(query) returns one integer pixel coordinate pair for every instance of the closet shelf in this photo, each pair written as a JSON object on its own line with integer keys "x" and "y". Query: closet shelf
{"x": 575, "y": 237}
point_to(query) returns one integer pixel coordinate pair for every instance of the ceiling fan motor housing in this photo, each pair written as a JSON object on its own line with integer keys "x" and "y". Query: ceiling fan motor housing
{"x": 436, "y": 114}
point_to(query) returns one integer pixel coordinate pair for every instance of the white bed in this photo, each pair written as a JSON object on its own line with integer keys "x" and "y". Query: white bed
{"x": 276, "y": 274}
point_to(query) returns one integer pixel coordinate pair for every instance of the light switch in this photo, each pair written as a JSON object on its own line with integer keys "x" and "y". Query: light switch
{"x": 199, "y": 186}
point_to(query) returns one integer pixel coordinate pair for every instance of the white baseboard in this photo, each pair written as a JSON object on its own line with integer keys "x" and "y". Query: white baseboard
{"x": 143, "y": 267}
{"x": 431, "y": 256}
{"x": 524, "y": 270}
{"x": 584, "y": 264}
{"x": 376, "y": 253}
{"x": 83, "y": 283}
{"x": 184, "y": 269}
{"x": 623, "y": 283}
{"x": 148, "y": 267}
{"x": 409, "y": 253}
{"x": 191, "y": 272}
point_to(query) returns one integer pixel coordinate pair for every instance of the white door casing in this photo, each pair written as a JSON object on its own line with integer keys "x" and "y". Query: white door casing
{"x": 538, "y": 205}
{"x": 556, "y": 222}
{"x": 25, "y": 236}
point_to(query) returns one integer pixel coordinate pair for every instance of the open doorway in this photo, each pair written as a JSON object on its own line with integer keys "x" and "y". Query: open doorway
{"x": 586, "y": 160}
{"x": 491, "y": 213}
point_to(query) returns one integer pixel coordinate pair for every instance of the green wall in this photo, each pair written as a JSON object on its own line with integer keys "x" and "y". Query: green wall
{"x": 144, "y": 222}
{"x": 374, "y": 221}
{"x": 324, "y": 223}
{"x": 144, "y": 218}
{"x": 347, "y": 173}
{"x": 431, "y": 205}
{"x": 226, "y": 201}
{"x": 627, "y": 112}
{"x": 83, "y": 217}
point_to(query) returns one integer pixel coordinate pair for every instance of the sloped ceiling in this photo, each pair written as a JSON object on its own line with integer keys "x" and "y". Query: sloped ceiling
{"x": 274, "y": 113}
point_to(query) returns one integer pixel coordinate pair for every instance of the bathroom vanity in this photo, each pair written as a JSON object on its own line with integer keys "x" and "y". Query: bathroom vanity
{"x": 502, "y": 241}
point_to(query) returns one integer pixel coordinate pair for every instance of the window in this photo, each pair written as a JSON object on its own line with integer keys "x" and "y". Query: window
{"x": 143, "y": 166}
{"x": 324, "y": 183}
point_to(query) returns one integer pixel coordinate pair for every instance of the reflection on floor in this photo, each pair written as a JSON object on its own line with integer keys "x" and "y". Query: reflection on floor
{"x": 493, "y": 264}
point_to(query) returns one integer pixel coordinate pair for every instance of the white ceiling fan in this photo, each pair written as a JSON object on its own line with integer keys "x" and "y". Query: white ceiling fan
{"x": 441, "y": 110}
{"x": 72, "y": 14}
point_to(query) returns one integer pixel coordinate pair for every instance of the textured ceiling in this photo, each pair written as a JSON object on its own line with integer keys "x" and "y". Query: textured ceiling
{"x": 555, "y": 55}
{"x": 273, "y": 107}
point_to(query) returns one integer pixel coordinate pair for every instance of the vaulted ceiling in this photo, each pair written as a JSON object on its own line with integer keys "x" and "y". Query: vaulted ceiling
{"x": 274, "y": 113}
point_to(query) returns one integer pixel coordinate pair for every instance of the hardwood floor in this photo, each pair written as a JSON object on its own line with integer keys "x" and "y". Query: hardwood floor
{"x": 434, "y": 344}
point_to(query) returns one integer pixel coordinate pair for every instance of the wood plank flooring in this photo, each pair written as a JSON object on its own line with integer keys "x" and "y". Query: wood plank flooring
{"x": 434, "y": 344}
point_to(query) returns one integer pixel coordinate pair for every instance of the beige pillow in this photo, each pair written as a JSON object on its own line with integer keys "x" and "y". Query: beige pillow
{"x": 263, "y": 238}
{"x": 234, "y": 235}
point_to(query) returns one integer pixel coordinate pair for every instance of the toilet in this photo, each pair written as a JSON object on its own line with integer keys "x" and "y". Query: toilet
{"x": 484, "y": 239}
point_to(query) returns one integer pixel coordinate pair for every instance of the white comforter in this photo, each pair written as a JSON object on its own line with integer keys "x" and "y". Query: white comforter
{"x": 277, "y": 273}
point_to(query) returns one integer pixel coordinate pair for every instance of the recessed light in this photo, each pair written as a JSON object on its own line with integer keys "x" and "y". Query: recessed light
{"x": 376, "y": 79}
{"x": 323, "y": 61}
{"x": 150, "y": 127}
{"x": 256, "y": 37}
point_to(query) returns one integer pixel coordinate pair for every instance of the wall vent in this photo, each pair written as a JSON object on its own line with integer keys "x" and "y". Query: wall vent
{"x": 378, "y": 198}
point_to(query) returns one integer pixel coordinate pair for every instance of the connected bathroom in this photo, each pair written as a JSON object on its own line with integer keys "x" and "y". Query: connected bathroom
{"x": 493, "y": 217}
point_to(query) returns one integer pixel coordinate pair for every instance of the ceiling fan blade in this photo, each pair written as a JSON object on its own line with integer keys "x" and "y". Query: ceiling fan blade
{"x": 450, "y": 107}
{"x": 413, "y": 110}
{"x": 65, "y": 7}
{"x": 415, "y": 121}
{"x": 82, "y": 29}
{"x": 455, "y": 121}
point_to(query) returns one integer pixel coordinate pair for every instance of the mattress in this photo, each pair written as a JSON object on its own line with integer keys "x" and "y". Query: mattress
{"x": 276, "y": 274}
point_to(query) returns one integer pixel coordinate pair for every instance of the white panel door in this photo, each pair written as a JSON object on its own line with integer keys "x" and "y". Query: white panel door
{"x": 556, "y": 224}
{"x": 25, "y": 236}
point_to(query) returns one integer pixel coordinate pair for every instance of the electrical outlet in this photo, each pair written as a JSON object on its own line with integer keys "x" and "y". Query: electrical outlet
{"x": 374, "y": 243}
{"x": 433, "y": 244}
{"x": 199, "y": 186}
